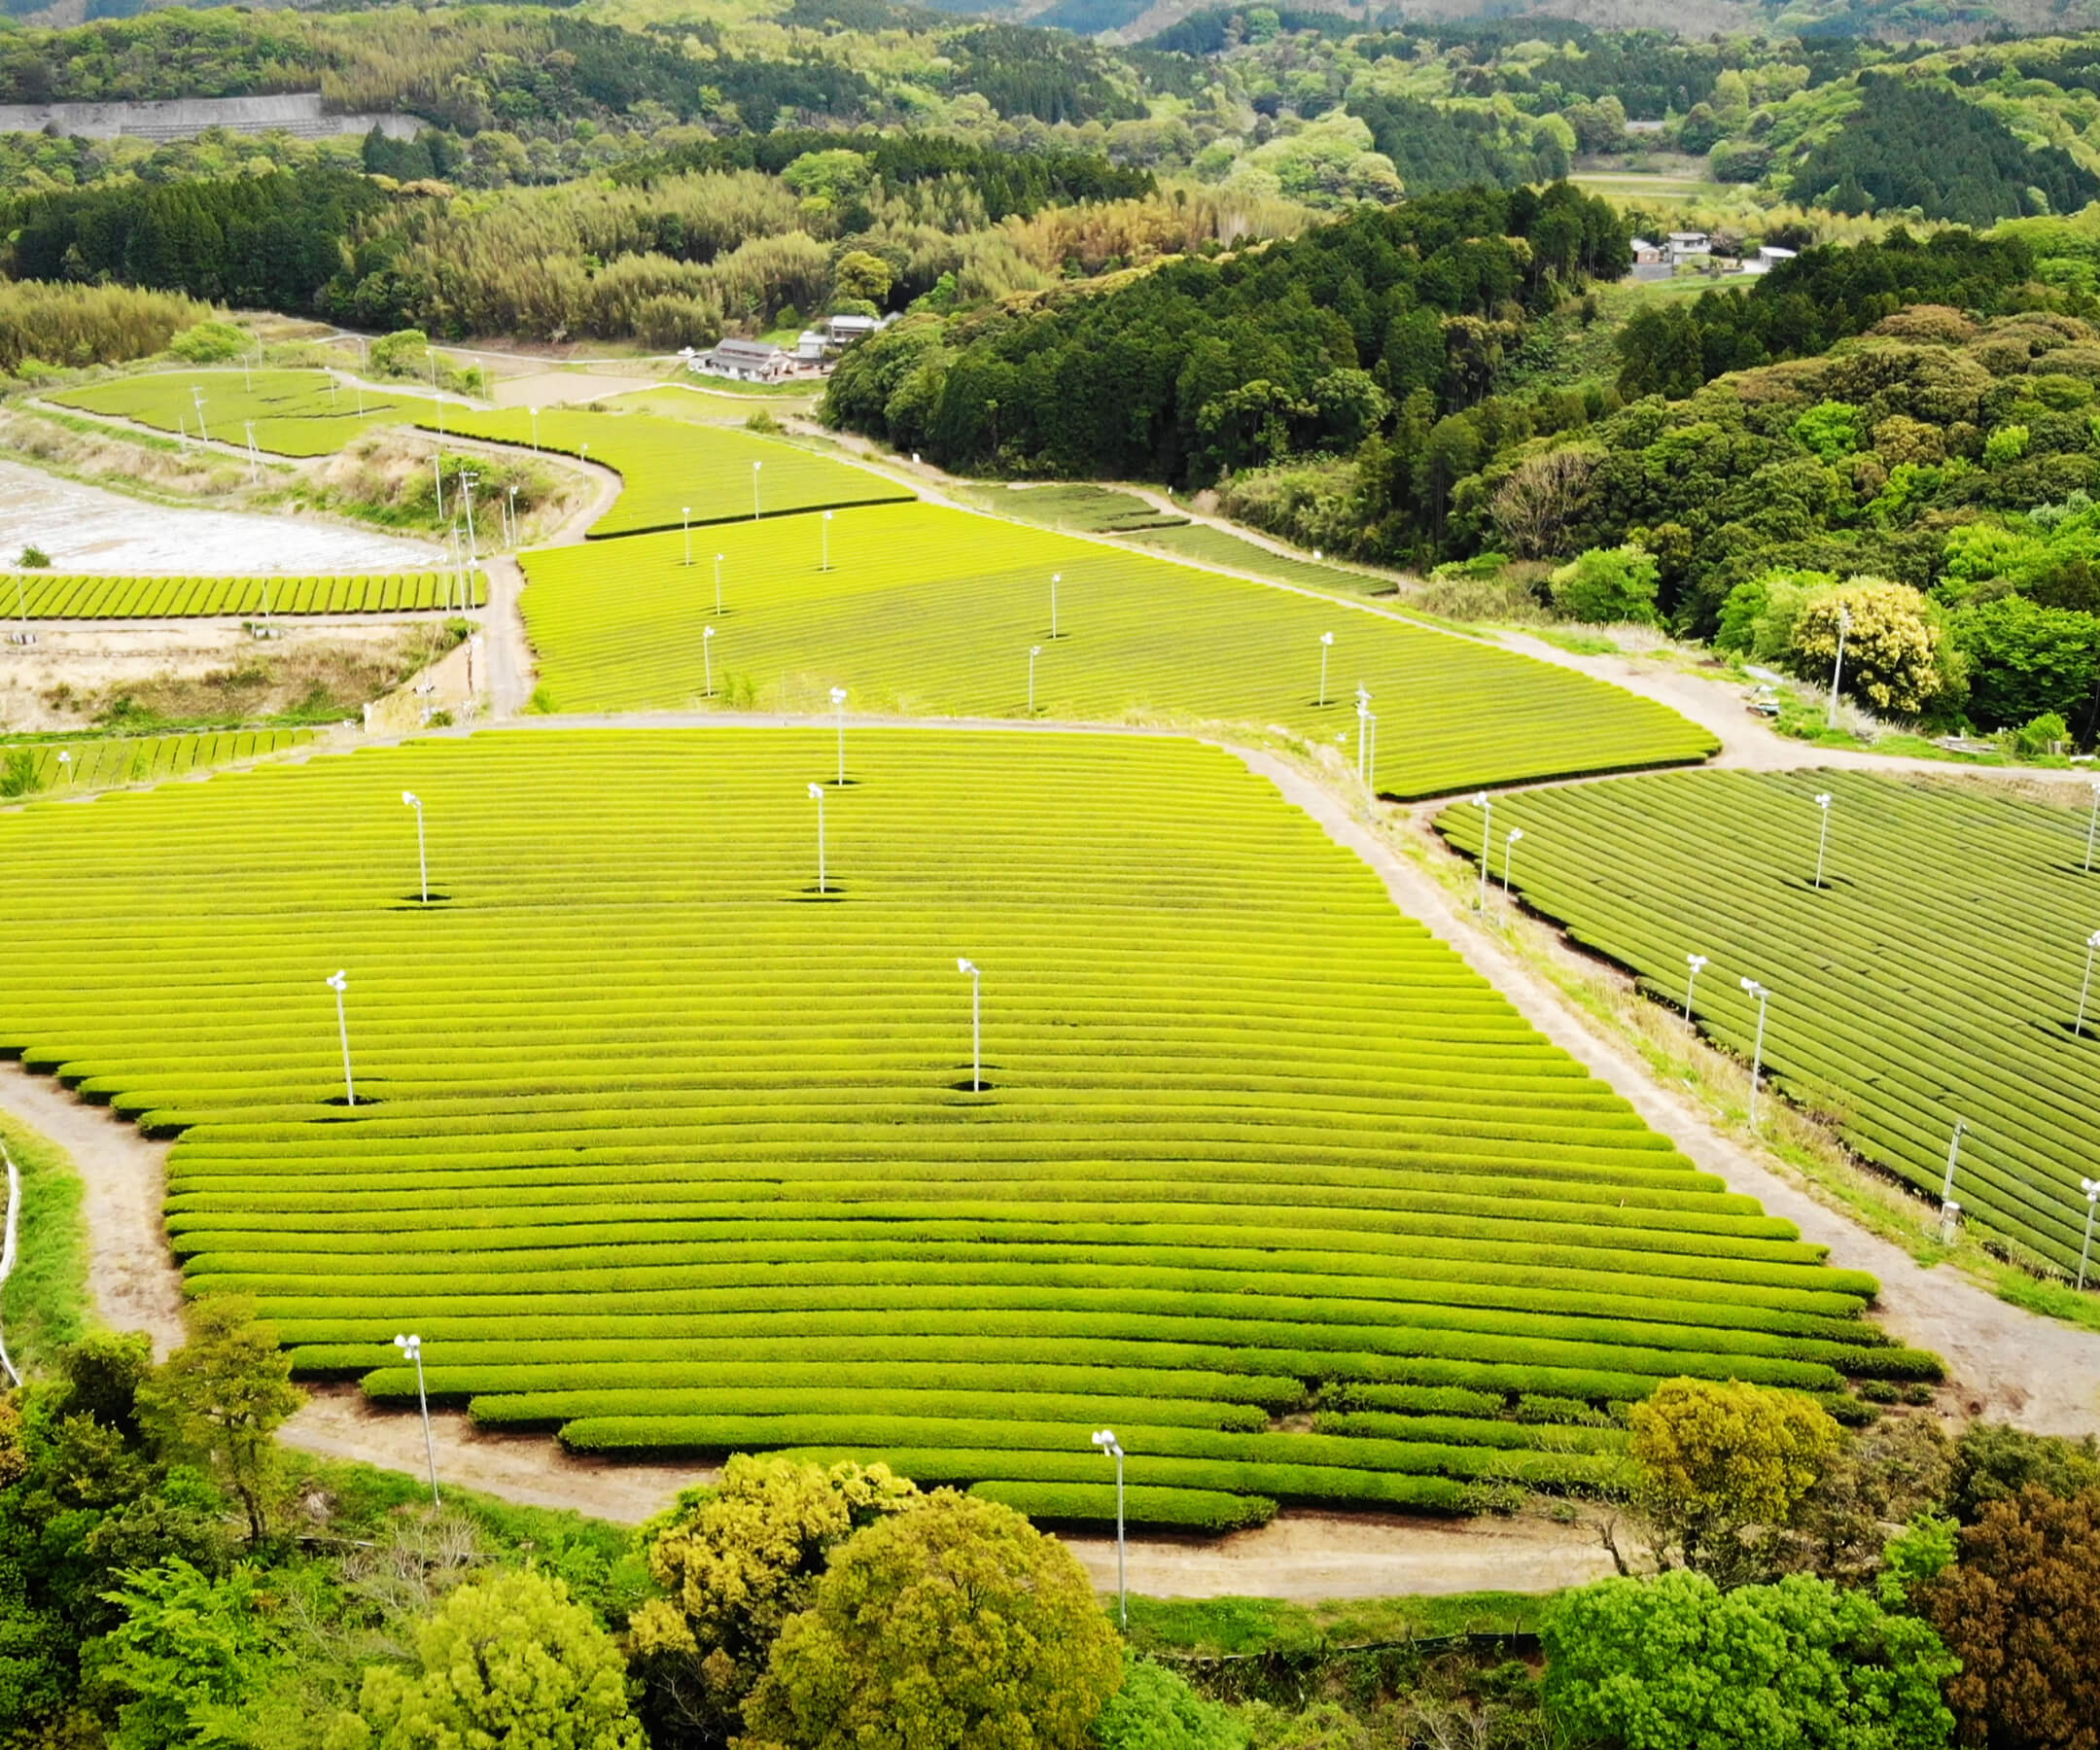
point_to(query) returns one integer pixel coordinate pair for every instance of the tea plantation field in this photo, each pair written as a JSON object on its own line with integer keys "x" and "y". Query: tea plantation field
{"x": 658, "y": 1142}
{"x": 932, "y": 612}
{"x": 28, "y": 767}
{"x": 296, "y": 412}
{"x": 666, "y": 465}
{"x": 68, "y": 596}
{"x": 1935, "y": 976}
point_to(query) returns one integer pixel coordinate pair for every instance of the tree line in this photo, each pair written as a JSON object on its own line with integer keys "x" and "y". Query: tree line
{"x": 1804, "y": 306}
{"x": 1202, "y": 367}
{"x": 1009, "y": 182}
{"x": 1915, "y": 144}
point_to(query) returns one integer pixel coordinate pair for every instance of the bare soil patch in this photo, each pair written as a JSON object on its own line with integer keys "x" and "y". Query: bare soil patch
{"x": 131, "y": 1274}
{"x": 177, "y": 671}
{"x": 1309, "y": 1556}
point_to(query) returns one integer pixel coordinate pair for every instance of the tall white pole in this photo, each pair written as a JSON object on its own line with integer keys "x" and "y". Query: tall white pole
{"x": 197, "y": 396}
{"x": 254, "y": 464}
{"x": 2089, "y": 825}
{"x": 1695, "y": 965}
{"x": 2092, "y": 942}
{"x": 1949, "y": 1209}
{"x": 412, "y": 1346}
{"x": 415, "y": 802}
{"x": 1844, "y": 625}
{"x": 1509, "y": 851}
{"x": 754, "y": 509}
{"x": 707, "y": 652}
{"x": 968, "y": 967}
{"x": 1035, "y": 651}
{"x": 436, "y": 467}
{"x": 1823, "y": 802}
{"x": 1485, "y": 804}
{"x": 473, "y": 551}
{"x": 339, "y": 984}
{"x": 1122, "y": 1576}
{"x": 2091, "y": 1188}
{"x": 7, "y": 1251}
{"x": 1104, "y": 1439}
{"x": 1326, "y": 644}
{"x": 1757, "y": 1052}
{"x": 816, "y": 791}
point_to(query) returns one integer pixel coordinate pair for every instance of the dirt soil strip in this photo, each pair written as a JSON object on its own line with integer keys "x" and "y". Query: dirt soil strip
{"x": 339, "y": 1421}
{"x": 2004, "y": 1362}
{"x": 131, "y": 1274}
{"x": 1312, "y": 1556}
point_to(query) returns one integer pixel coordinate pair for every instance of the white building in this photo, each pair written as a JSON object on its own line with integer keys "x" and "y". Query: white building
{"x": 747, "y": 361}
{"x": 1767, "y": 256}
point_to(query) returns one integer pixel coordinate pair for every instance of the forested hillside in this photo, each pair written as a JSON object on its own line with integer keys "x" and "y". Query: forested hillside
{"x": 1201, "y": 368}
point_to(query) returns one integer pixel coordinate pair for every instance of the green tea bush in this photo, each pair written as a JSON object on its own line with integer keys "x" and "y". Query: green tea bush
{"x": 656, "y": 1143}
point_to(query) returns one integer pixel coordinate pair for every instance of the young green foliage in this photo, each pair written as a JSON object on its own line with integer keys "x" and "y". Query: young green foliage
{"x": 952, "y": 1625}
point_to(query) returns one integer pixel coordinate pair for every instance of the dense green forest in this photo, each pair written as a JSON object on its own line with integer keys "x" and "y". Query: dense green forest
{"x": 1201, "y": 368}
{"x": 1912, "y": 145}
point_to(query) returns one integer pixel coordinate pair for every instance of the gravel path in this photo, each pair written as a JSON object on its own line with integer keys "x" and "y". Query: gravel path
{"x": 131, "y": 1274}
{"x": 1309, "y": 1557}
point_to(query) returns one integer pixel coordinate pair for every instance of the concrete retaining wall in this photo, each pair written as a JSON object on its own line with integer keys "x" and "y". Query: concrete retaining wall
{"x": 296, "y": 113}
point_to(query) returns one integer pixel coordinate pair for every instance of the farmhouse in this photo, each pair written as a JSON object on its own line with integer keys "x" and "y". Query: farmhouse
{"x": 747, "y": 360}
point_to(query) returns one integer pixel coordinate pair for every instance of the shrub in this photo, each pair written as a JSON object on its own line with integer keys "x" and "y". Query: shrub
{"x": 1994, "y": 1461}
{"x": 1607, "y": 586}
{"x": 510, "y": 1661}
{"x": 1893, "y": 644}
{"x": 953, "y": 1626}
{"x": 1718, "y": 1461}
{"x": 735, "y": 1562}
{"x": 1155, "y": 1709}
{"x": 2043, "y": 734}
{"x": 1640, "y": 1665}
{"x": 2021, "y": 1610}
{"x": 210, "y": 342}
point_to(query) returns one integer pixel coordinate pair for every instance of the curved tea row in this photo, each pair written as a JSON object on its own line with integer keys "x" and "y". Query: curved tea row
{"x": 661, "y": 1141}
{"x": 1933, "y": 977}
